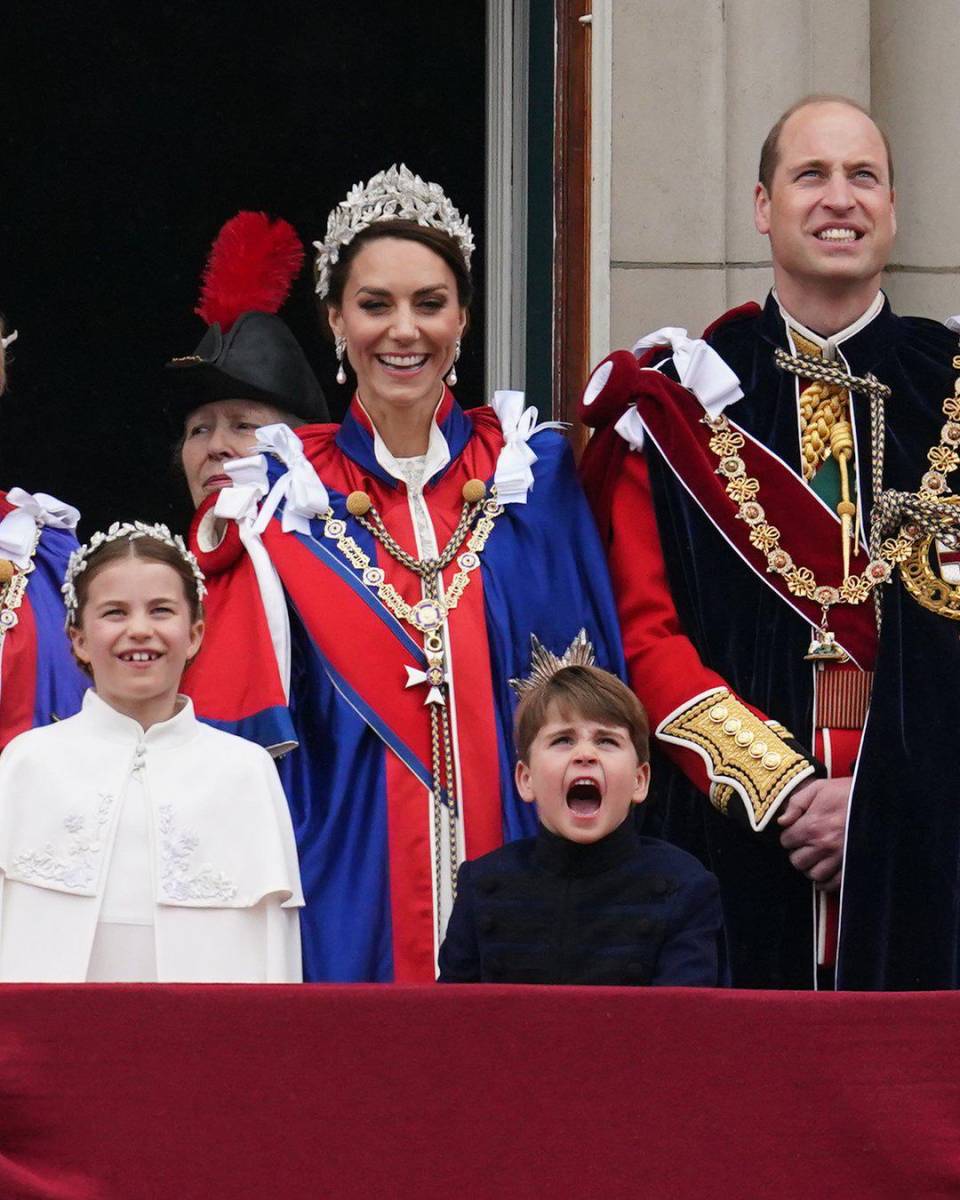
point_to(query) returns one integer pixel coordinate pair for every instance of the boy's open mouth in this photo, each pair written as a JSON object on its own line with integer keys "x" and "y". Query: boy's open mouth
{"x": 583, "y": 797}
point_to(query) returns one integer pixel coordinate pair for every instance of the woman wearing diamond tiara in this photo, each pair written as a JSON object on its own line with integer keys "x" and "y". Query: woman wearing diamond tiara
{"x": 418, "y": 547}
{"x": 135, "y": 843}
{"x": 39, "y": 682}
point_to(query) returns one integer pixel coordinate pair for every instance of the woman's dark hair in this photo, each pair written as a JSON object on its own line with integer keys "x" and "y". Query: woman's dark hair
{"x": 147, "y": 549}
{"x": 442, "y": 244}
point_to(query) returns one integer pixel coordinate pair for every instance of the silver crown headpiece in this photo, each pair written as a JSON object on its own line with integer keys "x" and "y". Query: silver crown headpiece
{"x": 396, "y": 194}
{"x": 77, "y": 562}
{"x": 544, "y": 664}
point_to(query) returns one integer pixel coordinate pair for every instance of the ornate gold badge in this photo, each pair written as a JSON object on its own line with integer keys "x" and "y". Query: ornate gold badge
{"x": 927, "y": 573}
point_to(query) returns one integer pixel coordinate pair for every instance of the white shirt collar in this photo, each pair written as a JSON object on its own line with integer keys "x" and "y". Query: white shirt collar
{"x": 829, "y": 345}
{"x": 118, "y": 727}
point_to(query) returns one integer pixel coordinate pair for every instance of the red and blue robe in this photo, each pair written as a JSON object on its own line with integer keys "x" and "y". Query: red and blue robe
{"x": 39, "y": 680}
{"x": 358, "y": 783}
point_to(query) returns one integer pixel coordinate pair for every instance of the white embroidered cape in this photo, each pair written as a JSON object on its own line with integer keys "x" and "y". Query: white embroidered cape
{"x": 225, "y": 874}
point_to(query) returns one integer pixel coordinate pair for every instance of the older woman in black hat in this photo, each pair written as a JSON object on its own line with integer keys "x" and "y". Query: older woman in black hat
{"x": 248, "y": 370}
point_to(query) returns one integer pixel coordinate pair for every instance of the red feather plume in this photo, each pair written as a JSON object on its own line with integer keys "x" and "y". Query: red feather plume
{"x": 251, "y": 267}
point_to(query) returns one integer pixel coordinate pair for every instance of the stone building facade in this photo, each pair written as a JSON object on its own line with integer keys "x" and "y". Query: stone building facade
{"x": 684, "y": 92}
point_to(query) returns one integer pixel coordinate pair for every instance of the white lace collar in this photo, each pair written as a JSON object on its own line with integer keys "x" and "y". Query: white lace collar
{"x": 435, "y": 459}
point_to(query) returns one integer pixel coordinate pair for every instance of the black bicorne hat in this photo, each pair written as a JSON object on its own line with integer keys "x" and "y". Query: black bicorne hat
{"x": 248, "y": 352}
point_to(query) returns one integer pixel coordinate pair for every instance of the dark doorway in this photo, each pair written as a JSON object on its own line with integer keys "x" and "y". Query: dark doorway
{"x": 129, "y": 133}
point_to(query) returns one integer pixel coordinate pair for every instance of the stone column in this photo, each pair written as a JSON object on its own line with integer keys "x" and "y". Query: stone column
{"x": 914, "y": 57}
{"x": 696, "y": 85}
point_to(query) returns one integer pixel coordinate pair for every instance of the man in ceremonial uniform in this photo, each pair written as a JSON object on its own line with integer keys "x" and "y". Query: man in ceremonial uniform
{"x": 776, "y": 499}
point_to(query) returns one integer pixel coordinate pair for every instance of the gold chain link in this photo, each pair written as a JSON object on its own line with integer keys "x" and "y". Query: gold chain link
{"x": 477, "y": 520}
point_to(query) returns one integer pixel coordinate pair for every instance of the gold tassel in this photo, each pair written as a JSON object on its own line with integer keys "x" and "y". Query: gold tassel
{"x": 841, "y": 447}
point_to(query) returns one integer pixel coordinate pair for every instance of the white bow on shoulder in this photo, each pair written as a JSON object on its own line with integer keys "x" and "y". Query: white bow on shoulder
{"x": 514, "y": 475}
{"x": 699, "y": 367}
{"x": 300, "y": 486}
{"x": 19, "y": 528}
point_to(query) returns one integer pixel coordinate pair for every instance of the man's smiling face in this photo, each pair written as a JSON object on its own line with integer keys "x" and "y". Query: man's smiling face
{"x": 829, "y": 212}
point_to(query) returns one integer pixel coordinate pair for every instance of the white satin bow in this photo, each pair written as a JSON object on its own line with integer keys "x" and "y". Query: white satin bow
{"x": 514, "y": 477}
{"x": 18, "y": 528}
{"x": 249, "y": 485}
{"x": 300, "y": 486}
{"x": 699, "y": 367}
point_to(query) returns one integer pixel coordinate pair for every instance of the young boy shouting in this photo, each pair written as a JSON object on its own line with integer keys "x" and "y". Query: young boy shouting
{"x": 587, "y": 900}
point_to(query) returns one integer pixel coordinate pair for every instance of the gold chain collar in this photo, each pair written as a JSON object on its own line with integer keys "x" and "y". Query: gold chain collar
{"x": 428, "y": 614}
{"x": 13, "y": 587}
{"x": 477, "y": 519}
{"x": 744, "y": 490}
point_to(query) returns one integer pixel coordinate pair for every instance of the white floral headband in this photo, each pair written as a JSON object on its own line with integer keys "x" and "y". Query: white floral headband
{"x": 77, "y": 562}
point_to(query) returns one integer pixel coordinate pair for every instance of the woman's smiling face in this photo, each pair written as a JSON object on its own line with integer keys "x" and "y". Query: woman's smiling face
{"x": 401, "y": 318}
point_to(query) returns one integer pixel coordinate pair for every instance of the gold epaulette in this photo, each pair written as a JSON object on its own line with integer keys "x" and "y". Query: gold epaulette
{"x": 745, "y": 757}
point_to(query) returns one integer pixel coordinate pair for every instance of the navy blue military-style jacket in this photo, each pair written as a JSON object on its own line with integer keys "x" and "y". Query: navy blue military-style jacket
{"x": 626, "y": 910}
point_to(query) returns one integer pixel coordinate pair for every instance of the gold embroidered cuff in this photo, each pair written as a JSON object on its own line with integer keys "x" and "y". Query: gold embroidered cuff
{"x": 745, "y": 757}
{"x": 720, "y": 796}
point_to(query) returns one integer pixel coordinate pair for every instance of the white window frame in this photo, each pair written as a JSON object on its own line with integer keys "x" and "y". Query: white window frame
{"x": 508, "y": 46}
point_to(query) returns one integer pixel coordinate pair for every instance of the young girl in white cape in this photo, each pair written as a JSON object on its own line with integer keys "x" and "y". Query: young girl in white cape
{"x": 137, "y": 844}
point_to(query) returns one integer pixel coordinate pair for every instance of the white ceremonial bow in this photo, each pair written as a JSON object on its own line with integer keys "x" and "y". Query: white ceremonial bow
{"x": 239, "y": 502}
{"x": 631, "y": 429}
{"x": 19, "y": 528}
{"x": 300, "y": 487}
{"x": 513, "y": 477}
{"x": 953, "y": 323}
{"x": 699, "y": 367}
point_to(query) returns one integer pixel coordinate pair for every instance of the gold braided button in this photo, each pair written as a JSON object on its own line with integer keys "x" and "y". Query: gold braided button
{"x": 358, "y": 504}
{"x": 6, "y": 570}
{"x": 474, "y": 491}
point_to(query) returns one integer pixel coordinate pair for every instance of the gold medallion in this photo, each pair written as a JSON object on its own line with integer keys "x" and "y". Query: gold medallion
{"x": 921, "y": 575}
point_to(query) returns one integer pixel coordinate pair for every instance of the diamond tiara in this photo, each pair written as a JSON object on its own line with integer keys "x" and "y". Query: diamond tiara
{"x": 396, "y": 194}
{"x": 77, "y": 563}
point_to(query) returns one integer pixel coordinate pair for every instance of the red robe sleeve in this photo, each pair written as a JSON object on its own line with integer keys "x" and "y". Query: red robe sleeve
{"x": 746, "y": 763}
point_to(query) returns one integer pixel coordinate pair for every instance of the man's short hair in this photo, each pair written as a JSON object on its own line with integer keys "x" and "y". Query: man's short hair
{"x": 583, "y": 692}
{"x": 770, "y": 152}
